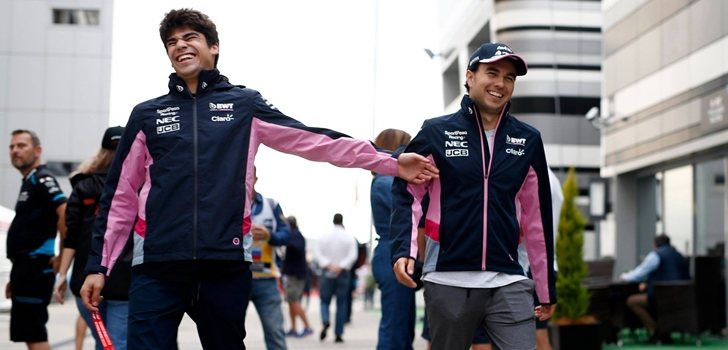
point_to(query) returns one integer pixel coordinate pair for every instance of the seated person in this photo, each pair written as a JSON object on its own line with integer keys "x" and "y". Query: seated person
{"x": 664, "y": 263}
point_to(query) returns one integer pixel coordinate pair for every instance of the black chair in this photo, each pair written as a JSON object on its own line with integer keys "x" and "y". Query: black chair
{"x": 600, "y": 272}
{"x": 676, "y": 306}
{"x": 600, "y": 306}
{"x": 710, "y": 293}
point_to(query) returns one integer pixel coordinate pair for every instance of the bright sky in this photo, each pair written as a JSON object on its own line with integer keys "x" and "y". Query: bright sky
{"x": 316, "y": 61}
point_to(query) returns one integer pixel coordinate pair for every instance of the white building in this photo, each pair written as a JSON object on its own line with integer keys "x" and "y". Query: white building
{"x": 55, "y": 68}
{"x": 665, "y": 125}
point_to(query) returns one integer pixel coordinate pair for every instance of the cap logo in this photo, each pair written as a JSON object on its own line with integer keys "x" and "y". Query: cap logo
{"x": 475, "y": 59}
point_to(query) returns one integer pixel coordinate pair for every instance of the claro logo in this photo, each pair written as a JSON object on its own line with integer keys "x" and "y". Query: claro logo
{"x": 227, "y": 118}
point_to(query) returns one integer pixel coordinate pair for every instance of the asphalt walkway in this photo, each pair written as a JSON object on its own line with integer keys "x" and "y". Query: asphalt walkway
{"x": 360, "y": 334}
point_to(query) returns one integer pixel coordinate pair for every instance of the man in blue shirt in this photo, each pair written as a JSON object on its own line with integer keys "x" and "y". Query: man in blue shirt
{"x": 664, "y": 263}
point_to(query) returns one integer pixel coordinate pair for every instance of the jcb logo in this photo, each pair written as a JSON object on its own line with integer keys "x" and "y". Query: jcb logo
{"x": 457, "y": 152}
{"x": 163, "y": 129}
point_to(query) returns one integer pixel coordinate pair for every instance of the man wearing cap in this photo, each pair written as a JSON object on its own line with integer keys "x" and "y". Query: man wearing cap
{"x": 31, "y": 242}
{"x": 493, "y": 191}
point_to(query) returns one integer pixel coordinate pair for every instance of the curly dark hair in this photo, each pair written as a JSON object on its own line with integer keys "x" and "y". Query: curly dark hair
{"x": 193, "y": 19}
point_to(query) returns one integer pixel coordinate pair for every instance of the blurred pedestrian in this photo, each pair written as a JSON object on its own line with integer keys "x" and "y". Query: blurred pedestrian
{"x": 81, "y": 211}
{"x": 39, "y": 215}
{"x": 295, "y": 270}
{"x": 336, "y": 253}
{"x": 397, "y": 325}
{"x": 270, "y": 230}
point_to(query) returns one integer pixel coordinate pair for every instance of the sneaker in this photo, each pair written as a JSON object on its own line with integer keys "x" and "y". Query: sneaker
{"x": 291, "y": 333}
{"x": 322, "y": 336}
{"x": 338, "y": 339}
{"x": 306, "y": 332}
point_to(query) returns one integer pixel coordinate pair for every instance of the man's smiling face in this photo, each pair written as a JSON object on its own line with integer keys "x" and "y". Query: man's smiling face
{"x": 491, "y": 86}
{"x": 189, "y": 53}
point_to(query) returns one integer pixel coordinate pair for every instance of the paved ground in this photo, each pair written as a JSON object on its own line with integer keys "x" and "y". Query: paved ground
{"x": 360, "y": 334}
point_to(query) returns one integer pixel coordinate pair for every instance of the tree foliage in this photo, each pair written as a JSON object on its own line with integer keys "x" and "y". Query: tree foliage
{"x": 572, "y": 295}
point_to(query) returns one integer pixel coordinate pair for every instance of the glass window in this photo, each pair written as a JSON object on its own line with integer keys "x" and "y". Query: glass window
{"x": 76, "y": 17}
{"x": 677, "y": 191}
{"x": 709, "y": 202}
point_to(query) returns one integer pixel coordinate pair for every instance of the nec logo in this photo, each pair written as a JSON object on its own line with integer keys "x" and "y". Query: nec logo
{"x": 515, "y": 141}
{"x": 221, "y": 106}
{"x": 457, "y": 144}
{"x": 167, "y": 120}
{"x": 456, "y": 152}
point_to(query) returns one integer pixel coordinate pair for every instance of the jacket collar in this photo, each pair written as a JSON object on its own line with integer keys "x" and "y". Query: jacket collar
{"x": 206, "y": 82}
{"x": 467, "y": 107}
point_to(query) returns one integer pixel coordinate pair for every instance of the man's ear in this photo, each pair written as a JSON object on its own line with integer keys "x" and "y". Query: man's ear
{"x": 469, "y": 77}
{"x": 215, "y": 49}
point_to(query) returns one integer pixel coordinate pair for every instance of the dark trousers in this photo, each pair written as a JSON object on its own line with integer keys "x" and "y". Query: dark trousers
{"x": 397, "y": 325}
{"x": 217, "y": 306}
{"x": 339, "y": 287}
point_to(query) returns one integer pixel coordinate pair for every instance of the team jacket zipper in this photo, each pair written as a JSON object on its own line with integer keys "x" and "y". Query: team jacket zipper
{"x": 487, "y": 158}
{"x": 194, "y": 179}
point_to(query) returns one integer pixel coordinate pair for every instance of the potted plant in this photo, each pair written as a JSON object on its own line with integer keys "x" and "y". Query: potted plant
{"x": 571, "y": 327}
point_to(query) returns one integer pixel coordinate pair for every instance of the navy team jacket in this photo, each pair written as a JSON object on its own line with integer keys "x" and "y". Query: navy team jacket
{"x": 182, "y": 179}
{"x": 481, "y": 206}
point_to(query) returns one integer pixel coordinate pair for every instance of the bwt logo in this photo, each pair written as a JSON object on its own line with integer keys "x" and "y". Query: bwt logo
{"x": 221, "y": 106}
{"x": 167, "y": 120}
{"x": 456, "y": 152}
{"x": 515, "y": 141}
{"x": 458, "y": 144}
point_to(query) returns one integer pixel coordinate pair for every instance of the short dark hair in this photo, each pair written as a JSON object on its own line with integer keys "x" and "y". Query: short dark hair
{"x": 662, "y": 240}
{"x": 338, "y": 219}
{"x": 194, "y": 19}
{"x": 33, "y": 136}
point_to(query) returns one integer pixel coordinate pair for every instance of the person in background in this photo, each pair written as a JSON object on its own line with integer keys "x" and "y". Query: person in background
{"x": 270, "y": 230}
{"x": 397, "y": 325}
{"x": 295, "y": 269}
{"x": 490, "y": 163}
{"x": 182, "y": 186}
{"x": 664, "y": 263}
{"x": 336, "y": 253}
{"x": 39, "y": 216}
{"x": 81, "y": 212}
